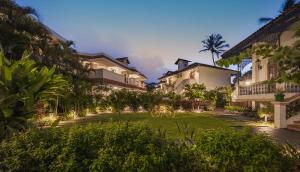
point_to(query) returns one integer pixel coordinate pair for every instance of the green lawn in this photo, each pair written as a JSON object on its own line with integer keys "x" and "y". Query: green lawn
{"x": 185, "y": 121}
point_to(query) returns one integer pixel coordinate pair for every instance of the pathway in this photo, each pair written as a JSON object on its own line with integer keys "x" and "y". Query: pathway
{"x": 281, "y": 135}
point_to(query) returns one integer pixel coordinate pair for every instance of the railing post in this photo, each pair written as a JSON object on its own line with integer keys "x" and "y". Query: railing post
{"x": 280, "y": 114}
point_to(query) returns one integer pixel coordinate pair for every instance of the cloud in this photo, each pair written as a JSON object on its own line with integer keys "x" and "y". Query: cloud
{"x": 115, "y": 46}
{"x": 151, "y": 66}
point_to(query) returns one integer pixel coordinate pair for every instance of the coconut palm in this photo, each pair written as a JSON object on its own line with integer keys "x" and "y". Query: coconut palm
{"x": 285, "y": 7}
{"x": 215, "y": 44}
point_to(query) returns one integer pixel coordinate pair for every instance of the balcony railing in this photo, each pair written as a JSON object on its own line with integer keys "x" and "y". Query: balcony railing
{"x": 258, "y": 88}
{"x": 291, "y": 88}
{"x": 267, "y": 88}
{"x": 104, "y": 75}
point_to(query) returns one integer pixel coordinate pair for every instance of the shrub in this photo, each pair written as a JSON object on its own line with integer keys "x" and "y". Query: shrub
{"x": 242, "y": 151}
{"x": 266, "y": 111}
{"x": 137, "y": 148}
{"x": 92, "y": 147}
{"x": 234, "y": 109}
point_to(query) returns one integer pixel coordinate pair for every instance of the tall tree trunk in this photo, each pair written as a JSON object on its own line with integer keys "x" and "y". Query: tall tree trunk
{"x": 213, "y": 58}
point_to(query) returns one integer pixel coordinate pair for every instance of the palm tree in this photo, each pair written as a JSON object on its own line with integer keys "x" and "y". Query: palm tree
{"x": 285, "y": 7}
{"x": 215, "y": 44}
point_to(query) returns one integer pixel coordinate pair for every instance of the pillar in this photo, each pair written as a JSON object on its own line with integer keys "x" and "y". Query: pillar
{"x": 280, "y": 114}
{"x": 253, "y": 105}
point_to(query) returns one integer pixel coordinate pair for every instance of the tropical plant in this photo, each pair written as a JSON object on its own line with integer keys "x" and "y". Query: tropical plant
{"x": 21, "y": 28}
{"x": 100, "y": 94}
{"x": 151, "y": 101}
{"x": 287, "y": 4}
{"x": 118, "y": 100}
{"x": 195, "y": 92}
{"x": 24, "y": 90}
{"x": 223, "y": 96}
{"x": 132, "y": 147}
{"x": 235, "y": 109}
{"x": 134, "y": 100}
{"x": 211, "y": 97}
{"x": 215, "y": 45}
{"x": 24, "y": 31}
{"x": 266, "y": 111}
{"x": 173, "y": 102}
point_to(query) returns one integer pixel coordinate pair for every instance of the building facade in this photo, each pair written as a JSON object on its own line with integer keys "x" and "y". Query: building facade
{"x": 254, "y": 88}
{"x": 113, "y": 73}
{"x": 195, "y": 73}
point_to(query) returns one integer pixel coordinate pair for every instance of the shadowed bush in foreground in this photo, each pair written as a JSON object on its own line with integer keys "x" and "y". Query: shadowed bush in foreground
{"x": 138, "y": 148}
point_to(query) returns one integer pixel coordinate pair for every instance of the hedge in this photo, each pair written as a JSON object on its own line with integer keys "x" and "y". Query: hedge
{"x": 135, "y": 147}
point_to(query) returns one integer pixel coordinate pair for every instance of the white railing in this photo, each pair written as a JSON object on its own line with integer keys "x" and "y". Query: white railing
{"x": 291, "y": 88}
{"x": 266, "y": 88}
{"x": 257, "y": 88}
{"x": 103, "y": 73}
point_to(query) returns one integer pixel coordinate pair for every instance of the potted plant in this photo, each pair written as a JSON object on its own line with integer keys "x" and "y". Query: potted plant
{"x": 279, "y": 96}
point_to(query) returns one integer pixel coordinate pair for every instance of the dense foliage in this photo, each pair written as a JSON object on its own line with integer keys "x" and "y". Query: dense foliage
{"x": 138, "y": 148}
{"x": 25, "y": 90}
{"x": 23, "y": 32}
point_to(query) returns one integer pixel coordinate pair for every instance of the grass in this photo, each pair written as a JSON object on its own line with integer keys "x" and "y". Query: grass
{"x": 173, "y": 126}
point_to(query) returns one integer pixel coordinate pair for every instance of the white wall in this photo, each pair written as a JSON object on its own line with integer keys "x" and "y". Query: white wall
{"x": 210, "y": 77}
{"x": 259, "y": 75}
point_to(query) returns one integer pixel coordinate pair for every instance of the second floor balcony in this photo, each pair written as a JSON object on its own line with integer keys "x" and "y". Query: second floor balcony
{"x": 109, "y": 77}
{"x": 264, "y": 91}
{"x": 267, "y": 88}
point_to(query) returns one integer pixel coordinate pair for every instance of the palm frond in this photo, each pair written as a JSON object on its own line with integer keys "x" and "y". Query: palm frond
{"x": 264, "y": 20}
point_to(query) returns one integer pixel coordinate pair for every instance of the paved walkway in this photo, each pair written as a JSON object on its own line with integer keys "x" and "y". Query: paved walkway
{"x": 281, "y": 135}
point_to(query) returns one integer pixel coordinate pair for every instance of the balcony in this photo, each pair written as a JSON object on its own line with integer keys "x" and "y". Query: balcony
{"x": 267, "y": 88}
{"x": 257, "y": 88}
{"x": 108, "y": 77}
{"x": 264, "y": 91}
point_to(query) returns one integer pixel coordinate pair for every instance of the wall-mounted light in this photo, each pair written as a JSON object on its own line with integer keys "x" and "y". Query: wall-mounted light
{"x": 258, "y": 64}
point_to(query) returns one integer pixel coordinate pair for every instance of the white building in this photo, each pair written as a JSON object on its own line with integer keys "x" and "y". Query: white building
{"x": 114, "y": 73}
{"x": 211, "y": 76}
{"x": 253, "y": 90}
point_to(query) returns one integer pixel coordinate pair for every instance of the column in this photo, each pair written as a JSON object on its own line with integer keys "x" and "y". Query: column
{"x": 280, "y": 114}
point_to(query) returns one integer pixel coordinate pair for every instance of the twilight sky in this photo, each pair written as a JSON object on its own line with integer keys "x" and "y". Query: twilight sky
{"x": 152, "y": 33}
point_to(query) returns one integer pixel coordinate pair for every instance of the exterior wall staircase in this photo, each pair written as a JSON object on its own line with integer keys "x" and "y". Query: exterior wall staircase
{"x": 295, "y": 126}
{"x": 293, "y": 121}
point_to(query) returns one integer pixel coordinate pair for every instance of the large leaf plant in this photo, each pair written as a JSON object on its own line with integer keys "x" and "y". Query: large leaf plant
{"x": 24, "y": 86}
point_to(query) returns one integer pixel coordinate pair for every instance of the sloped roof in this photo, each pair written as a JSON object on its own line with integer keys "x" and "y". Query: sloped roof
{"x": 169, "y": 73}
{"x": 106, "y": 56}
{"x": 274, "y": 27}
{"x": 179, "y": 59}
{"x": 123, "y": 58}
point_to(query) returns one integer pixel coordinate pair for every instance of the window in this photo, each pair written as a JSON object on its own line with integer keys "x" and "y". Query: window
{"x": 272, "y": 70}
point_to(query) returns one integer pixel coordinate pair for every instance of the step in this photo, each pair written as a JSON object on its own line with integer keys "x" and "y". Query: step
{"x": 294, "y": 127}
{"x": 297, "y": 122}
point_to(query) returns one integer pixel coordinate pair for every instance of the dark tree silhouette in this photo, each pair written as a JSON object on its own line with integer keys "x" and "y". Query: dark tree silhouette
{"x": 215, "y": 44}
{"x": 285, "y": 6}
